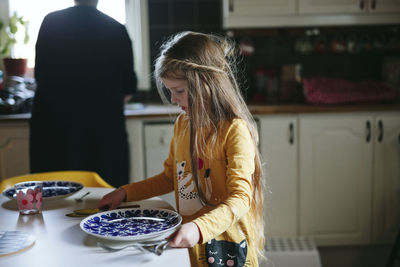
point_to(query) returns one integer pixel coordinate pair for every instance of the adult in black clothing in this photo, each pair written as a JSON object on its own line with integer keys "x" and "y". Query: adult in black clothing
{"x": 84, "y": 71}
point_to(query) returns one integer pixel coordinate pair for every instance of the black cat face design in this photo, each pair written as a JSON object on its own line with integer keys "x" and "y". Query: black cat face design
{"x": 207, "y": 173}
{"x": 224, "y": 253}
{"x": 183, "y": 166}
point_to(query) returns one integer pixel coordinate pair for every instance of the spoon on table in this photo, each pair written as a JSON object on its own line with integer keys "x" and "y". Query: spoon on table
{"x": 81, "y": 198}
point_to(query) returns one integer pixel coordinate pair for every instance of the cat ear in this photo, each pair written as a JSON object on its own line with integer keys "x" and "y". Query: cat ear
{"x": 243, "y": 244}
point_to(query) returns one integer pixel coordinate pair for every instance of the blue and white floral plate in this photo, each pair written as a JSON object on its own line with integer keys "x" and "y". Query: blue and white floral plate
{"x": 142, "y": 224}
{"x": 51, "y": 189}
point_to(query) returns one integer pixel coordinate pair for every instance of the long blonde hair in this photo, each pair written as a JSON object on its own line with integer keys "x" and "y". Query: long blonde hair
{"x": 208, "y": 63}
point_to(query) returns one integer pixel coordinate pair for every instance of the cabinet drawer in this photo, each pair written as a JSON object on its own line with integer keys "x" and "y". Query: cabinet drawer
{"x": 158, "y": 134}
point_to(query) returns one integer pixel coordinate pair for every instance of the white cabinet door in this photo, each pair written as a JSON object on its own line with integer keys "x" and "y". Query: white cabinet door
{"x": 332, "y": 6}
{"x": 157, "y": 138}
{"x": 386, "y": 200}
{"x": 255, "y": 13}
{"x": 336, "y": 178}
{"x": 279, "y": 143}
{"x": 384, "y": 6}
{"x": 14, "y": 149}
{"x": 348, "y": 6}
{"x": 260, "y": 7}
{"x": 294, "y": 13}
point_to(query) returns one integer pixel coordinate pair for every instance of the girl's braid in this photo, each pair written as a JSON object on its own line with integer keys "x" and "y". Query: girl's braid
{"x": 192, "y": 65}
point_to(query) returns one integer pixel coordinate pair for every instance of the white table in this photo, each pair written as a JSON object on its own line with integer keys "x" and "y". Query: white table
{"x": 60, "y": 241}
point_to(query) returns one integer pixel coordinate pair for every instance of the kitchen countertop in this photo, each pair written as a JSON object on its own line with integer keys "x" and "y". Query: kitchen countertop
{"x": 159, "y": 110}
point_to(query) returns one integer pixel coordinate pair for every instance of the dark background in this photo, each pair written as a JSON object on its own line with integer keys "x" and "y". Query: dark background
{"x": 364, "y": 48}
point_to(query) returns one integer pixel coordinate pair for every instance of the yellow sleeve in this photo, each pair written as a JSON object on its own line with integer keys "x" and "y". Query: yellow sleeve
{"x": 154, "y": 186}
{"x": 240, "y": 154}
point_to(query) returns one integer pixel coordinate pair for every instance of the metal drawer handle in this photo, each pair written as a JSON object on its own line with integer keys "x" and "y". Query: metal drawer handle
{"x": 380, "y": 128}
{"x": 373, "y": 4}
{"x": 368, "y": 126}
{"x": 291, "y": 133}
{"x": 362, "y": 4}
{"x": 163, "y": 140}
{"x": 231, "y": 6}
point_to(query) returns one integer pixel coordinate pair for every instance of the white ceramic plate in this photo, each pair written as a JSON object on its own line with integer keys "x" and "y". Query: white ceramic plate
{"x": 126, "y": 225}
{"x": 14, "y": 241}
{"x": 51, "y": 189}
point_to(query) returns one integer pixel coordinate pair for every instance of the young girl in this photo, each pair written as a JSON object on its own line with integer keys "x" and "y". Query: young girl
{"x": 213, "y": 164}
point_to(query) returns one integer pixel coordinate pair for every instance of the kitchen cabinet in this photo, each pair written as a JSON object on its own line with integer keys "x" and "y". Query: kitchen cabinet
{"x": 384, "y": 6}
{"x": 256, "y": 13}
{"x": 386, "y": 183}
{"x": 333, "y": 176}
{"x": 335, "y": 159}
{"x": 157, "y": 140}
{"x": 14, "y": 149}
{"x": 279, "y": 146}
{"x": 318, "y": 175}
{"x": 295, "y": 13}
{"x": 332, "y": 6}
{"x": 149, "y": 141}
{"x": 348, "y": 6}
{"x": 238, "y": 8}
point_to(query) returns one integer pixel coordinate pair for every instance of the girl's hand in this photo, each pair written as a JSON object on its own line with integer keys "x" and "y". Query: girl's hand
{"x": 112, "y": 200}
{"x": 187, "y": 236}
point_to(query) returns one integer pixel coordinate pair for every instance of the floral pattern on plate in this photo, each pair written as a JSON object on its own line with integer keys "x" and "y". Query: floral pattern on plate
{"x": 119, "y": 225}
{"x": 51, "y": 189}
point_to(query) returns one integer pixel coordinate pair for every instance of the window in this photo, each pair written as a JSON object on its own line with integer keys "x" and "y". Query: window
{"x": 35, "y": 11}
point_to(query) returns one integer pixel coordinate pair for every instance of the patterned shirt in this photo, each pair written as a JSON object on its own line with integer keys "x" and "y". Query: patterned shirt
{"x": 225, "y": 173}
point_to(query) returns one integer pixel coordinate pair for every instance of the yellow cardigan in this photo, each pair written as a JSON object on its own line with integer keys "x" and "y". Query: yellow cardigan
{"x": 227, "y": 232}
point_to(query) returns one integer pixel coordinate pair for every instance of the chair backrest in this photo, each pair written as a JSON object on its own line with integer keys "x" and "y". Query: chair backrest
{"x": 87, "y": 178}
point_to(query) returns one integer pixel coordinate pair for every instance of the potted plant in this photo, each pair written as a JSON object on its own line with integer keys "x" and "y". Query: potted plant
{"x": 9, "y": 35}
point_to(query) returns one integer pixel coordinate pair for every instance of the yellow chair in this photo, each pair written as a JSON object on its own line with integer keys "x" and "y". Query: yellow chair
{"x": 87, "y": 178}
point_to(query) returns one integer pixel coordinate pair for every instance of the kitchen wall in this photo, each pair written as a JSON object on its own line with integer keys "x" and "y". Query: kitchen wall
{"x": 173, "y": 16}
